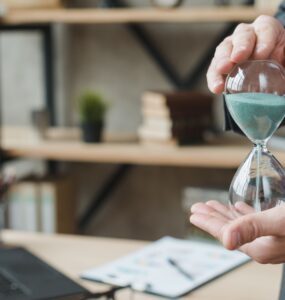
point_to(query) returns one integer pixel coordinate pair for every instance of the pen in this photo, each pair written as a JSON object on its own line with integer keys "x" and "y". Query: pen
{"x": 177, "y": 266}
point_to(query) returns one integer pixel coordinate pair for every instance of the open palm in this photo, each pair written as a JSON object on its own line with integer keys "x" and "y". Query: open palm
{"x": 259, "y": 235}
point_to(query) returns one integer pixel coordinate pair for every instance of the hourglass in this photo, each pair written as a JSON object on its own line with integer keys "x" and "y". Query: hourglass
{"x": 255, "y": 99}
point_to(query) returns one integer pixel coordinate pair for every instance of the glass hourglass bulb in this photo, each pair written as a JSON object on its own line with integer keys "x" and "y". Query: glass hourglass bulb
{"x": 255, "y": 98}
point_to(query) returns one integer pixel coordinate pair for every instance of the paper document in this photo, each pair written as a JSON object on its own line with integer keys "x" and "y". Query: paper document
{"x": 168, "y": 267}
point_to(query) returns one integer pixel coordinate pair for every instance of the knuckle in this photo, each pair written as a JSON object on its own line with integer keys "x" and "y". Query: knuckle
{"x": 267, "y": 24}
{"x": 264, "y": 18}
{"x": 219, "y": 48}
{"x": 242, "y": 27}
{"x": 227, "y": 39}
{"x": 253, "y": 229}
{"x": 247, "y": 227}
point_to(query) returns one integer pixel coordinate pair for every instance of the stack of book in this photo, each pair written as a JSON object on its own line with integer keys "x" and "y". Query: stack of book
{"x": 175, "y": 117}
{"x": 46, "y": 205}
{"x": 265, "y": 4}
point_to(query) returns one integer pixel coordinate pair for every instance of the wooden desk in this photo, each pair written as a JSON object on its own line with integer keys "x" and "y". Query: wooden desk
{"x": 73, "y": 254}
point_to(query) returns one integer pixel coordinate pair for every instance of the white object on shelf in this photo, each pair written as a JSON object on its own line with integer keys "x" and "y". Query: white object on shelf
{"x": 23, "y": 212}
{"x": 264, "y": 4}
{"x": 48, "y": 208}
{"x": 30, "y": 3}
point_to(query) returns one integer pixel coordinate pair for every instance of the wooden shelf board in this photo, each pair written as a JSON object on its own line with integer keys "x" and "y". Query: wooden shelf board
{"x": 64, "y": 144}
{"x": 213, "y": 156}
{"x": 132, "y": 15}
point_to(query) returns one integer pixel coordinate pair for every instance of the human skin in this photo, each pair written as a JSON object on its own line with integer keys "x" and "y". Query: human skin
{"x": 260, "y": 235}
{"x": 262, "y": 39}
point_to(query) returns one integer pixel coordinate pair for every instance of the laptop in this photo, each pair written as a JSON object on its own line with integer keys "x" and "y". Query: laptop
{"x": 23, "y": 276}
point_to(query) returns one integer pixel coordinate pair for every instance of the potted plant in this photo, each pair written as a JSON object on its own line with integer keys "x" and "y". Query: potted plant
{"x": 92, "y": 110}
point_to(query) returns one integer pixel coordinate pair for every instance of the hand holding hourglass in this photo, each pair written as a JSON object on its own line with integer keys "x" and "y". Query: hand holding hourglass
{"x": 261, "y": 235}
{"x": 254, "y": 95}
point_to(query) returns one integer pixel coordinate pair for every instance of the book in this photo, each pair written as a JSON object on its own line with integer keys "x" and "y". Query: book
{"x": 180, "y": 116}
{"x": 46, "y": 205}
{"x": 148, "y": 133}
{"x": 63, "y": 191}
{"x": 169, "y": 267}
{"x": 177, "y": 100}
{"x": 48, "y": 208}
{"x": 23, "y": 212}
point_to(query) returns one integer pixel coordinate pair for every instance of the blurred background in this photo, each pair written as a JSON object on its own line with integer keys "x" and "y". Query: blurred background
{"x": 106, "y": 118}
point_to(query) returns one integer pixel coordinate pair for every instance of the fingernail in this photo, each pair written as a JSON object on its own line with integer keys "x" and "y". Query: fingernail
{"x": 235, "y": 239}
{"x": 194, "y": 219}
{"x": 193, "y": 207}
{"x": 196, "y": 207}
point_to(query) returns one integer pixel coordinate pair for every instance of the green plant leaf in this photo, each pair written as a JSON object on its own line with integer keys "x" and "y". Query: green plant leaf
{"x": 92, "y": 107}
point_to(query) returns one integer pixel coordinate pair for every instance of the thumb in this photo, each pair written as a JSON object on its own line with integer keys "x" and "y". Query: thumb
{"x": 249, "y": 227}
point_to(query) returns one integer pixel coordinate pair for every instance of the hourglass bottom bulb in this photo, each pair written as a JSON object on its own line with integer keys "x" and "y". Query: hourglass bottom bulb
{"x": 258, "y": 184}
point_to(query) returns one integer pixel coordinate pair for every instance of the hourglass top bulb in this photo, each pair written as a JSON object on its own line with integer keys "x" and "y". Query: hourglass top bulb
{"x": 254, "y": 94}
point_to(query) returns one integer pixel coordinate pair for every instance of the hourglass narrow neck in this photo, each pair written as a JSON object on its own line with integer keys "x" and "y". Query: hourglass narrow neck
{"x": 261, "y": 144}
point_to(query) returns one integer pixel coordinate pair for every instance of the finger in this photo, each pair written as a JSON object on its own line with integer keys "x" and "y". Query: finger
{"x": 222, "y": 56}
{"x": 221, "y": 208}
{"x": 243, "y": 40}
{"x": 200, "y": 207}
{"x": 221, "y": 64}
{"x": 215, "y": 79}
{"x": 244, "y": 208}
{"x": 266, "y": 250}
{"x": 267, "y": 32}
{"x": 251, "y": 226}
{"x": 212, "y": 224}
{"x": 203, "y": 208}
{"x": 278, "y": 52}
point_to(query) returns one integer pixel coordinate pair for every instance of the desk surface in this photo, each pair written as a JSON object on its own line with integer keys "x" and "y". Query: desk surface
{"x": 73, "y": 254}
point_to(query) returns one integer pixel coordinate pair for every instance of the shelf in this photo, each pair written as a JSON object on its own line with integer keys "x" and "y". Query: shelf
{"x": 210, "y": 156}
{"x": 131, "y": 15}
{"x": 65, "y": 145}
{"x": 195, "y": 156}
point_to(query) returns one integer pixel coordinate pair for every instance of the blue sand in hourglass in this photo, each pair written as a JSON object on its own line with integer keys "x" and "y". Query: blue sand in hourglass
{"x": 257, "y": 114}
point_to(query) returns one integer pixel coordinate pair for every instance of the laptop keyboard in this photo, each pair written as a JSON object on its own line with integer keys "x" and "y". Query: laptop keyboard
{"x": 9, "y": 286}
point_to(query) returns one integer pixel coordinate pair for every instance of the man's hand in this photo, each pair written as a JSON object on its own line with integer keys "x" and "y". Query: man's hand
{"x": 262, "y": 39}
{"x": 259, "y": 235}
